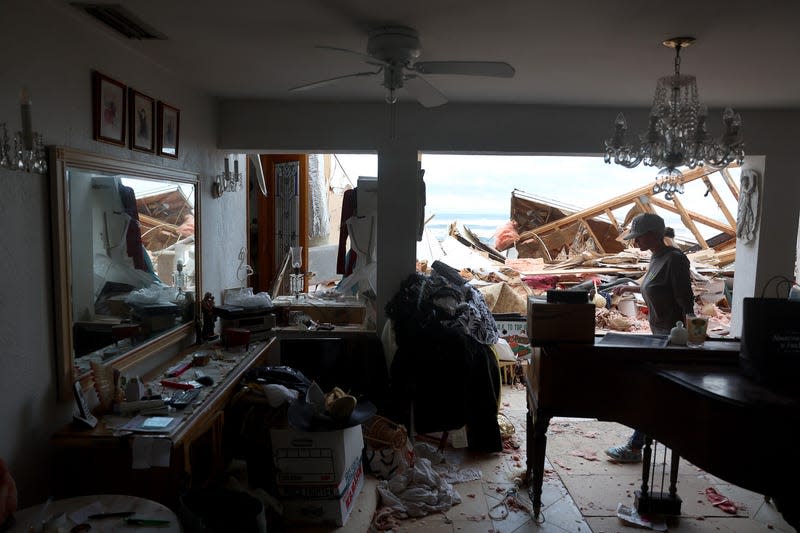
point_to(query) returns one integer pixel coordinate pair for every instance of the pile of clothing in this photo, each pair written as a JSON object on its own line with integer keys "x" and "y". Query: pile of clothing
{"x": 444, "y": 368}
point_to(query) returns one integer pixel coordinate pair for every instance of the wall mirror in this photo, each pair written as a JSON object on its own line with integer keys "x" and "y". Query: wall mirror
{"x": 127, "y": 260}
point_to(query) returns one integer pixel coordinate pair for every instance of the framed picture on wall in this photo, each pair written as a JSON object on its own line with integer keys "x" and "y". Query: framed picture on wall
{"x": 142, "y": 121}
{"x": 169, "y": 121}
{"x": 109, "y": 107}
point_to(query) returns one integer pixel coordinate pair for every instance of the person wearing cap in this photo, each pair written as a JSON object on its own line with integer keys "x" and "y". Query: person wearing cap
{"x": 667, "y": 290}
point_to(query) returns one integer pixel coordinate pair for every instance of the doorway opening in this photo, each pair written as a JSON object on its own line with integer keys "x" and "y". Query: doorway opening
{"x": 303, "y": 207}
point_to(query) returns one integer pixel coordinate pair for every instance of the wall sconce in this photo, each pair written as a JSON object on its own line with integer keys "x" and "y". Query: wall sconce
{"x": 227, "y": 181}
{"x": 26, "y": 152}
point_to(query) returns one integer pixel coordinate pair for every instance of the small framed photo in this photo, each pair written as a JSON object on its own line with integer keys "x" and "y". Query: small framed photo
{"x": 169, "y": 122}
{"x": 109, "y": 109}
{"x": 143, "y": 122}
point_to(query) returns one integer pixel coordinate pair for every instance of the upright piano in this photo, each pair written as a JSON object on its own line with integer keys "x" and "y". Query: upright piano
{"x": 696, "y": 401}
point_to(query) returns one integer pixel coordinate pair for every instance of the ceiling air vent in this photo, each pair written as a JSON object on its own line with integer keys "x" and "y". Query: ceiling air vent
{"x": 120, "y": 20}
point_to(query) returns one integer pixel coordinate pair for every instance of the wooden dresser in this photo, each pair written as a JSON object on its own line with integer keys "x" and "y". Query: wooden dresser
{"x": 101, "y": 460}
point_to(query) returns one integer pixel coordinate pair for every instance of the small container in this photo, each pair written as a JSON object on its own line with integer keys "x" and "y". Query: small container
{"x": 696, "y": 329}
{"x": 627, "y": 306}
{"x": 678, "y": 335}
{"x": 201, "y": 358}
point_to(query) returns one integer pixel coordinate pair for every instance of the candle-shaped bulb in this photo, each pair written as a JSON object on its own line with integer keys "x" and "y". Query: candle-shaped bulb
{"x": 227, "y": 167}
{"x": 25, "y": 110}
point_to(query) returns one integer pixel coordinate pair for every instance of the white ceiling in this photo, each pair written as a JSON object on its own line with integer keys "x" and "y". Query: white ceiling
{"x": 568, "y": 52}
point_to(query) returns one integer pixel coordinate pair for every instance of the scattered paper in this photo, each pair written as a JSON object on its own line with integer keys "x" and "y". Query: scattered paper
{"x": 632, "y": 516}
{"x": 151, "y": 424}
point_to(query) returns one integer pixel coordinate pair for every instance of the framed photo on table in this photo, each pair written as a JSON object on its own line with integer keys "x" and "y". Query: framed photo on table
{"x": 143, "y": 122}
{"x": 109, "y": 109}
{"x": 169, "y": 121}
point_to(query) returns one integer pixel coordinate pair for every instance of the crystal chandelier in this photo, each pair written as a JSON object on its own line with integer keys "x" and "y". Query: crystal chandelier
{"x": 677, "y": 134}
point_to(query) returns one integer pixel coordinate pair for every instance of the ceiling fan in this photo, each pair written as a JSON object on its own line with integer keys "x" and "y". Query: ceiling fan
{"x": 394, "y": 50}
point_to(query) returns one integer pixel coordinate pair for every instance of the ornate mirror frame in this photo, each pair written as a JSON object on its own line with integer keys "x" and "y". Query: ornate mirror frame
{"x": 63, "y": 161}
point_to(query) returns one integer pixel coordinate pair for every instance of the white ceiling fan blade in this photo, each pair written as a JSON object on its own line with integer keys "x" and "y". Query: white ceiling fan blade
{"x": 366, "y": 57}
{"x": 496, "y": 69}
{"x": 425, "y": 93}
{"x": 322, "y": 83}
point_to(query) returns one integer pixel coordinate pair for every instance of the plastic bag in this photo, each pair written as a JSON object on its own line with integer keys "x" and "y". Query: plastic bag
{"x": 152, "y": 295}
{"x": 244, "y": 297}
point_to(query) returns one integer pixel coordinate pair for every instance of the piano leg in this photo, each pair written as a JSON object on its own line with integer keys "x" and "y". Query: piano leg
{"x": 537, "y": 445}
{"x": 647, "y": 456}
{"x": 646, "y": 500}
{"x": 673, "y": 476}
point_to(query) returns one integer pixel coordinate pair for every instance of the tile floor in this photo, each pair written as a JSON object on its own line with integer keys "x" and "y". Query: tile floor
{"x": 580, "y": 493}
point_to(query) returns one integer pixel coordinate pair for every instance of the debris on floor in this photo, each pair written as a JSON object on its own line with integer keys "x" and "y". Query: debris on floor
{"x": 586, "y": 454}
{"x": 632, "y": 516}
{"x": 720, "y": 501}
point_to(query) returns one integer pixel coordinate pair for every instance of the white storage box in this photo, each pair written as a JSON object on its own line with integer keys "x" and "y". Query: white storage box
{"x": 319, "y": 458}
{"x": 308, "y": 508}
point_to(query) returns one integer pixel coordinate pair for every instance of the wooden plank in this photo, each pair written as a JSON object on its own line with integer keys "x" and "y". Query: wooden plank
{"x": 697, "y": 217}
{"x": 729, "y": 181}
{"x": 726, "y": 256}
{"x": 613, "y": 219}
{"x": 646, "y": 205}
{"x": 727, "y": 245}
{"x": 614, "y": 203}
{"x": 593, "y": 236}
{"x": 689, "y": 223}
{"x": 722, "y": 207}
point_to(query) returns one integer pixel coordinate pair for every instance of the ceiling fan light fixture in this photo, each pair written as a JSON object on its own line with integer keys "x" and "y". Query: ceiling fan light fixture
{"x": 394, "y": 49}
{"x": 677, "y": 134}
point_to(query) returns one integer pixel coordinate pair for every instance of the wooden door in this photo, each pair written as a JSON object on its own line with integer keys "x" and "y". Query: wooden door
{"x": 273, "y": 226}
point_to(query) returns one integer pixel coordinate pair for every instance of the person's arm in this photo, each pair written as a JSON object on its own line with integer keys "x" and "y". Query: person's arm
{"x": 624, "y": 289}
{"x": 682, "y": 283}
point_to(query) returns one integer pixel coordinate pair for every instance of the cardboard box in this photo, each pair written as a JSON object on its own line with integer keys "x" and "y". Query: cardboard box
{"x": 332, "y": 511}
{"x": 315, "y": 491}
{"x": 319, "y": 458}
{"x": 549, "y": 323}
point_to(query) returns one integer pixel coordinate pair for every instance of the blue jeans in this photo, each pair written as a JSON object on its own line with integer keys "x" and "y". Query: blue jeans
{"x": 636, "y": 441}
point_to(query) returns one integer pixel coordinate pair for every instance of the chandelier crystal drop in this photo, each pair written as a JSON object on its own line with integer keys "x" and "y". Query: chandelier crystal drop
{"x": 677, "y": 135}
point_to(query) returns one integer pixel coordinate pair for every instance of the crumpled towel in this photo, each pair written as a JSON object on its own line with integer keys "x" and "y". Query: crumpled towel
{"x": 720, "y": 501}
{"x": 418, "y": 492}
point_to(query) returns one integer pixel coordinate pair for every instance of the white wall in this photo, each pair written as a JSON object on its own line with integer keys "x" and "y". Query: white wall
{"x": 520, "y": 129}
{"x": 47, "y": 47}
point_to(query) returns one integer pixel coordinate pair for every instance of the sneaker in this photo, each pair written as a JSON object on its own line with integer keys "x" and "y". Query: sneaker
{"x": 624, "y": 454}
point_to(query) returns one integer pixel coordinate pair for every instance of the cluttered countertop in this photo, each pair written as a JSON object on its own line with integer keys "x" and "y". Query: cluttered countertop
{"x": 164, "y": 400}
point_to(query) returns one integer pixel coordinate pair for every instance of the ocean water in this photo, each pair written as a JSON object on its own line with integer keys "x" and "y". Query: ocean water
{"x": 482, "y": 224}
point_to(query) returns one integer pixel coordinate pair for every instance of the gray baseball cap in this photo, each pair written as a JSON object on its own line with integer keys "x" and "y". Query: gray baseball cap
{"x": 645, "y": 223}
